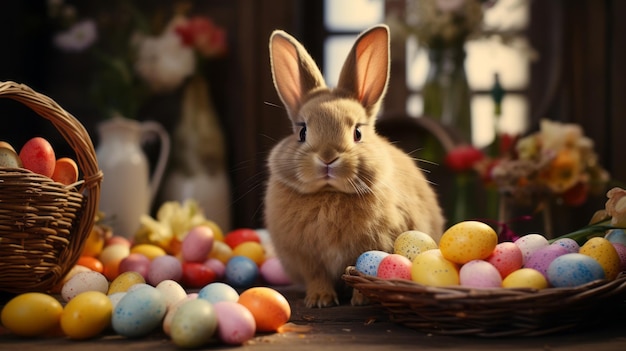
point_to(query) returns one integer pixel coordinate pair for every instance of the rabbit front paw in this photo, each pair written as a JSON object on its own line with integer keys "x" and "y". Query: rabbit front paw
{"x": 320, "y": 297}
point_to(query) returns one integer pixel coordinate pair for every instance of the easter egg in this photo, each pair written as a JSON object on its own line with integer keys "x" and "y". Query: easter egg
{"x": 621, "y": 253}
{"x": 368, "y": 262}
{"x": 115, "y": 298}
{"x": 171, "y": 311}
{"x": 467, "y": 241}
{"x": 269, "y": 307}
{"x": 84, "y": 281}
{"x": 217, "y": 266}
{"x": 236, "y": 323}
{"x": 412, "y": 242}
{"x": 616, "y": 236}
{"x": 529, "y": 243}
{"x": 38, "y": 156}
{"x": 149, "y": 250}
{"x": 569, "y": 244}
{"x": 197, "y": 244}
{"x": 541, "y": 258}
{"x": 604, "y": 252}
{"x": 235, "y": 237}
{"x": 139, "y": 312}
{"x": 525, "y": 278}
{"x": 221, "y": 251}
{"x": 9, "y": 158}
{"x": 241, "y": 272}
{"x": 432, "y": 269}
{"x": 574, "y": 269}
{"x": 135, "y": 262}
{"x": 163, "y": 268}
{"x": 218, "y": 291}
{"x": 171, "y": 291}
{"x": 194, "y": 323}
{"x": 86, "y": 315}
{"x": 197, "y": 275}
{"x": 94, "y": 243}
{"x": 91, "y": 262}
{"x": 506, "y": 257}
{"x": 394, "y": 266}
{"x": 479, "y": 274}
{"x": 273, "y": 272}
{"x": 251, "y": 250}
{"x": 65, "y": 171}
{"x": 31, "y": 314}
{"x": 124, "y": 281}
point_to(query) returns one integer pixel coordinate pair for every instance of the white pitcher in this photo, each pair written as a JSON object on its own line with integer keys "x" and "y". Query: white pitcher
{"x": 128, "y": 189}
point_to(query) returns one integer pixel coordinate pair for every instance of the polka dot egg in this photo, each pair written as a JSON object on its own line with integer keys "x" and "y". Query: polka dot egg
{"x": 410, "y": 243}
{"x": 368, "y": 262}
{"x": 468, "y": 240}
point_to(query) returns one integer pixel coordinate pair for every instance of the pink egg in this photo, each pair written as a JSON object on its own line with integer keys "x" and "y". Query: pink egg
{"x": 274, "y": 273}
{"x": 197, "y": 244}
{"x": 569, "y": 244}
{"x": 529, "y": 243}
{"x": 135, "y": 262}
{"x": 479, "y": 274}
{"x": 38, "y": 156}
{"x": 216, "y": 266}
{"x": 394, "y": 266}
{"x": 621, "y": 252}
{"x": 541, "y": 258}
{"x": 163, "y": 268}
{"x": 236, "y": 322}
{"x": 506, "y": 257}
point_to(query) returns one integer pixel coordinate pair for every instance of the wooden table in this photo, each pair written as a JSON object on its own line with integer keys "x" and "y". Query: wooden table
{"x": 348, "y": 328}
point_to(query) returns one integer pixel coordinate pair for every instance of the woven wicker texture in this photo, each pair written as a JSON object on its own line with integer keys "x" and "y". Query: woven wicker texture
{"x": 494, "y": 312}
{"x": 44, "y": 224}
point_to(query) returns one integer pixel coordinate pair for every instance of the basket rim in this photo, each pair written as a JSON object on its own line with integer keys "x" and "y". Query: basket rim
{"x": 77, "y": 137}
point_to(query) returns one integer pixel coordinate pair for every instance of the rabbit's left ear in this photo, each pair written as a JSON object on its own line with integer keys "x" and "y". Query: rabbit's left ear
{"x": 366, "y": 71}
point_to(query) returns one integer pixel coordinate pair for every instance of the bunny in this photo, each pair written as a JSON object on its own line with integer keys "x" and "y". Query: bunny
{"x": 336, "y": 188}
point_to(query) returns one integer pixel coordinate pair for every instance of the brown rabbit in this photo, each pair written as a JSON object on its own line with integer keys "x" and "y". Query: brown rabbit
{"x": 337, "y": 189}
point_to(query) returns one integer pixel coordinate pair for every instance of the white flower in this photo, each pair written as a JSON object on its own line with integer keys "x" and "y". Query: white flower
{"x": 164, "y": 62}
{"x": 77, "y": 38}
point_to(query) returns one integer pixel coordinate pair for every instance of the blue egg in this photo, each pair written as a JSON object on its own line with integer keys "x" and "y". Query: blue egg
{"x": 368, "y": 262}
{"x": 216, "y": 292}
{"x": 139, "y": 312}
{"x": 241, "y": 272}
{"x": 574, "y": 269}
{"x": 616, "y": 236}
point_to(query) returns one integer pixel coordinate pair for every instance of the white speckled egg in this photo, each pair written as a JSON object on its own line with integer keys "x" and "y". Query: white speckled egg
{"x": 84, "y": 281}
{"x": 139, "y": 312}
{"x": 172, "y": 291}
{"x": 529, "y": 243}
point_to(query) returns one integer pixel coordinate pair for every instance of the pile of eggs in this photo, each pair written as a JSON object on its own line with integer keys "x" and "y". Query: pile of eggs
{"x": 135, "y": 289}
{"x": 468, "y": 254}
{"x": 38, "y": 156}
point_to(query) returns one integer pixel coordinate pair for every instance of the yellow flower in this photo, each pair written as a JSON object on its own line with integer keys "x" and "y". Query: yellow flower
{"x": 616, "y": 206}
{"x": 563, "y": 172}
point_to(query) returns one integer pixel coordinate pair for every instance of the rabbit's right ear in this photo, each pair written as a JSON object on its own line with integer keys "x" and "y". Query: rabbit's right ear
{"x": 294, "y": 72}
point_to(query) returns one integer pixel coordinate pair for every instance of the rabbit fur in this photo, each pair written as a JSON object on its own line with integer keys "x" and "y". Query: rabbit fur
{"x": 336, "y": 188}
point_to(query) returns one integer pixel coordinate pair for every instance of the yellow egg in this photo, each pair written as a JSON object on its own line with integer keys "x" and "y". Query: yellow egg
{"x": 113, "y": 253}
{"x": 431, "y": 268}
{"x": 148, "y": 250}
{"x": 603, "y": 251}
{"x": 525, "y": 278}
{"x": 86, "y": 315}
{"x": 251, "y": 250}
{"x": 468, "y": 240}
{"x": 124, "y": 281}
{"x": 218, "y": 234}
{"x": 410, "y": 243}
{"x": 31, "y": 314}
{"x": 221, "y": 251}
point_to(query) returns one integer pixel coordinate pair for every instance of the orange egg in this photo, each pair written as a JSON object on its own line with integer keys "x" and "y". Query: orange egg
{"x": 269, "y": 307}
{"x": 91, "y": 262}
{"x": 111, "y": 269}
{"x": 65, "y": 171}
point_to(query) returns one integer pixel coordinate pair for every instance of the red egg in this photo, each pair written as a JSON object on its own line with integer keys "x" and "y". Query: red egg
{"x": 197, "y": 275}
{"x": 238, "y": 236}
{"x": 394, "y": 266}
{"x": 506, "y": 257}
{"x": 38, "y": 156}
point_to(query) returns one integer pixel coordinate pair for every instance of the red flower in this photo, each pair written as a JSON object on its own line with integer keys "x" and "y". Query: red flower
{"x": 463, "y": 158}
{"x": 204, "y": 35}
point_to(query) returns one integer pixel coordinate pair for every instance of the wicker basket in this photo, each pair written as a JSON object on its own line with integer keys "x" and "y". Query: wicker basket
{"x": 44, "y": 224}
{"x": 494, "y": 312}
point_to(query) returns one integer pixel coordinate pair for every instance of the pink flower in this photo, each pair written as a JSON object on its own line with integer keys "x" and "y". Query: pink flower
{"x": 78, "y": 37}
{"x": 616, "y": 206}
{"x": 203, "y": 35}
{"x": 463, "y": 158}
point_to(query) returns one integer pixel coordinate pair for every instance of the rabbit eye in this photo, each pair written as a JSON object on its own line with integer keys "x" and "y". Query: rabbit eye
{"x": 302, "y": 133}
{"x": 357, "y": 133}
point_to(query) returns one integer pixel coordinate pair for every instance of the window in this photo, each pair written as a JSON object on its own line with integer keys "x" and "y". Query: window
{"x": 343, "y": 20}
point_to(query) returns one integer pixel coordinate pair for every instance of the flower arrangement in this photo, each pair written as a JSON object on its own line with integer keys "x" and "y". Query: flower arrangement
{"x": 135, "y": 55}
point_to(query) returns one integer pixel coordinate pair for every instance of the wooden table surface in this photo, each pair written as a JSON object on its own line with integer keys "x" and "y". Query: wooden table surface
{"x": 348, "y": 328}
